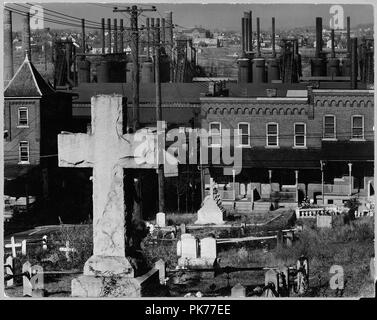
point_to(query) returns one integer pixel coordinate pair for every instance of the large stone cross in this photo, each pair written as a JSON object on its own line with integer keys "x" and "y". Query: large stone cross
{"x": 107, "y": 150}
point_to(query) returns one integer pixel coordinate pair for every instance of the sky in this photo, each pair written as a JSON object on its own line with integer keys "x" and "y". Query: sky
{"x": 220, "y": 16}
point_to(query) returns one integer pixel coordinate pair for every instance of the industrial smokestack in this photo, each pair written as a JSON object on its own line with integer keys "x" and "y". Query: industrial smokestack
{"x": 103, "y": 35}
{"x": 169, "y": 27}
{"x": 348, "y": 35}
{"x": 247, "y": 36}
{"x": 243, "y": 34}
{"x": 26, "y": 36}
{"x": 121, "y": 29}
{"x": 318, "y": 36}
{"x": 250, "y": 31}
{"x": 115, "y": 36}
{"x": 163, "y": 31}
{"x": 258, "y": 38}
{"x": 83, "y": 35}
{"x": 273, "y": 38}
{"x": 8, "y": 46}
{"x": 354, "y": 63}
{"x": 109, "y": 33}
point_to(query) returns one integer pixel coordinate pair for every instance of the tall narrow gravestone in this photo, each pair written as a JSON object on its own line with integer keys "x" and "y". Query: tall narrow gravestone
{"x": 108, "y": 151}
{"x": 160, "y": 220}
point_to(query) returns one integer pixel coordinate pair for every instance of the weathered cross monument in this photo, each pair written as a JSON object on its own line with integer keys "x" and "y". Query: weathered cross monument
{"x": 108, "y": 151}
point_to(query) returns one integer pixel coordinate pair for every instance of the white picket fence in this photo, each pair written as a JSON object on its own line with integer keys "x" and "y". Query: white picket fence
{"x": 309, "y": 213}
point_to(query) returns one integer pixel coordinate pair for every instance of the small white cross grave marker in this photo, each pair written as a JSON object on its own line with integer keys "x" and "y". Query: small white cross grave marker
{"x": 67, "y": 250}
{"x": 13, "y": 245}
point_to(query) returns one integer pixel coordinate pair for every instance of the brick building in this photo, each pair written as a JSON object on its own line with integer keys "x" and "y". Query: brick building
{"x": 288, "y": 138}
{"x": 34, "y": 113}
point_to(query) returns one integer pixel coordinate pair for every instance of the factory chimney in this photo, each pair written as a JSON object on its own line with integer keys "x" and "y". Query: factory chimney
{"x": 8, "y": 46}
{"x": 333, "y": 64}
{"x": 354, "y": 63}
{"x": 26, "y": 37}
{"x": 103, "y": 35}
{"x": 318, "y": 64}
{"x": 115, "y": 36}
{"x": 346, "y": 62}
{"x": 250, "y": 31}
{"x": 259, "y": 63}
{"x": 273, "y": 71}
{"x": 109, "y": 35}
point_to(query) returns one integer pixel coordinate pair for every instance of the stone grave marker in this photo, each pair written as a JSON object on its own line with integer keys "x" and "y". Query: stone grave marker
{"x": 108, "y": 151}
{"x": 161, "y": 267}
{"x": 9, "y": 270}
{"x": 324, "y": 221}
{"x": 26, "y": 284}
{"x": 189, "y": 249}
{"x": 179, "y": 248}
{"x": 265, "y": 190}
{"x": 210, "y": 212}
{"x": 183, "y": 228}
{"x": 160, "y": 220}
{"x": 189, "y": 246}
{"x": 271, "y": 276}
{"x": 37, "y": 281}
{"x": 238, "y": 291}
{"x": 208, "y": 248}
{"x": 289, "y": 236}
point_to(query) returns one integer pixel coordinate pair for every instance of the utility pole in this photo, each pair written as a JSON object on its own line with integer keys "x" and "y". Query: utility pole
{"x": 160, "y": 127}
{"x": 83, "y": 44}
{"x": 134, "y": 12}
{"x": 148, "y": 38}
{"x": 115, "y": 36}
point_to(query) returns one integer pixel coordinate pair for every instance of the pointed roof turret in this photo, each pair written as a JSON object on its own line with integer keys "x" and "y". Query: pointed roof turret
{"x": 27, "y": 82}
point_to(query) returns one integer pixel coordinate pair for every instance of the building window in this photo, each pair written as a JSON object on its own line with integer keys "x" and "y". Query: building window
{"x": 215, "y": 134}
{"x": 24, "y": 151}
{"x": 243, "y": 134}
{"x": 300, "y": 135}
{"x": 357, "y": 127}
{"x": 272, "y": 135}
{"x": 23, "y": 120}
{"x": 329, "y": 127}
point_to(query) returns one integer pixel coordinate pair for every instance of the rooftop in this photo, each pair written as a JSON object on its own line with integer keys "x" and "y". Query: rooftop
{"x": 27, "y": 82}
{"x": 170, "y": 92}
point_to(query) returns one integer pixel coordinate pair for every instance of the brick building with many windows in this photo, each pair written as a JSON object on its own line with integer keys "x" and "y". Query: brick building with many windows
{"x": 289, "y": 140}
